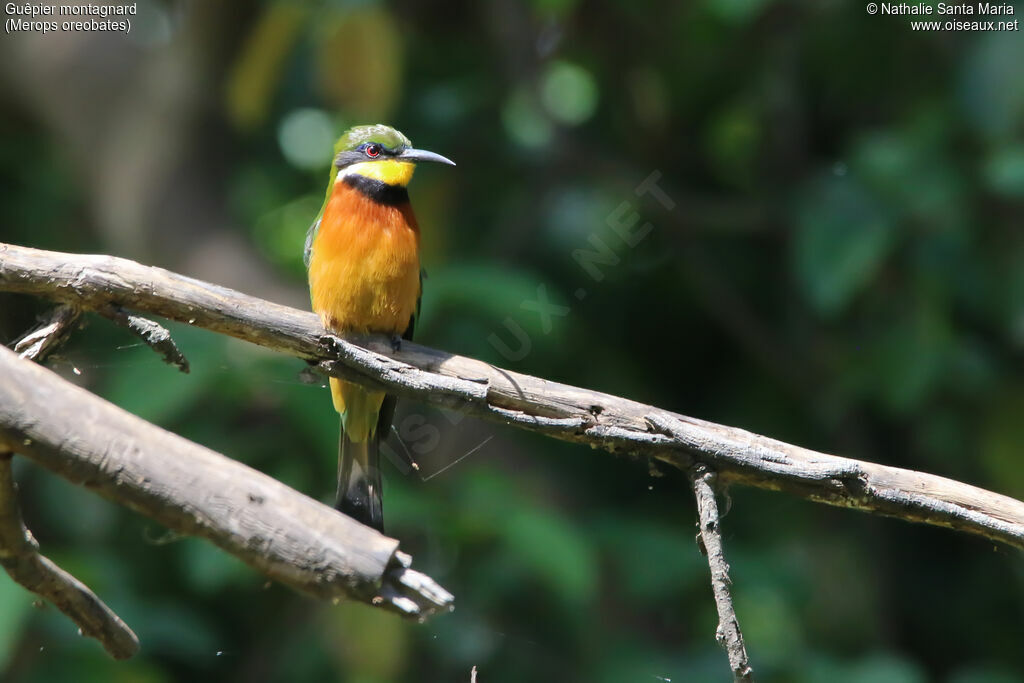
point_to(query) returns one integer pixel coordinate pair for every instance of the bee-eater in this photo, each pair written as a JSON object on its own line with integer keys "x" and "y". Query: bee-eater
{"x": 362, "y": 254}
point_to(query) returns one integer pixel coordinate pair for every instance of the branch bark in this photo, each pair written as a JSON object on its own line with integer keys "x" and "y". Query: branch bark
{"x": 50, "y": 334}
{"x": 728, "y": 633}
{"x": 280, "y": 532}
{"x": 480, "y": 389}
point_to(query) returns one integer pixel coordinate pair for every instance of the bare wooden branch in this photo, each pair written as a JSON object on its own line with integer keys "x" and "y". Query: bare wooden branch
{"x": 152, "y": 334}
{"x": 480, "y": 389}
{"x": 728, "y": 633}
{"x": 193, "y": 490}
{"x": 19, "y": 555}
{"x": 51, "y": 333}
{"x": 19, "y": 551}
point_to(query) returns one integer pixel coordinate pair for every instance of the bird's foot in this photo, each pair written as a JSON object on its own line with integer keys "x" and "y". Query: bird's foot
{"x": 331, "y": 344}
{"x": 396, "y": 343}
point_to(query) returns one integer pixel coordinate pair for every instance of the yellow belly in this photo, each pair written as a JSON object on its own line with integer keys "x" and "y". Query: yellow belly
{"x": 370, "y": 289}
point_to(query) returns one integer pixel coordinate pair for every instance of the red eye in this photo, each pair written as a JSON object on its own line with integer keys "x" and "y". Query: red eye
{"x": 373, "y": 151}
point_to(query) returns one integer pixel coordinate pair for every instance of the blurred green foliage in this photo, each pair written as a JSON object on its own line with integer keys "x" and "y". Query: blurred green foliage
{"x": 840, "y": 265}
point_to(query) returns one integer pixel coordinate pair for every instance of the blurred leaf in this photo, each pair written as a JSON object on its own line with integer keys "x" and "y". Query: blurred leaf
{"x": 369, "y": 643}
{"x": 464, "y": 637}
{"x": 736, "y": 11}
{"x": 1004, "y": 171}
{"x": 972, "y": 371}
{"x": 904, "y": 168}
{"x": 838, "y": 594}
{"x": 569, "y": 92}
{"x": 281, "y": 233}
{"x": 92, "y": 521}
{"x": 42, "y": 194}
{"x": 210, "y": 569}
{"x": 554, "y": 8}
{"x": 308, "y": 409}
{"x": 638, "y": 660}
{"x": 875, "y": 668}
{"x": 492, "y": 292}
{"x": 17, "y": 604}
{"x": 257, "y": 190}
{"x": 256, "y": 73}
{"x": 173, "y": 629}
{"x": 650, "y": 96}
{"x": 991, "y": 89}
{"x": 79, "y": 659}
{"x": 843, "y": 235}
{"x": 985, "y": 673}
{"x": 732, "y": 143}
{"x": 1001, "y": 444}
{"x": 540, "y": 540}
{"x": 654, "y": 561}
{"x": 904, "y": 360}
{"x": 524, "y": 122}
{"x": 306, "y": 137}
{"x": 359, "y": 62}
{"x": 770, "y": 624}
{"x": 553, "y": 549}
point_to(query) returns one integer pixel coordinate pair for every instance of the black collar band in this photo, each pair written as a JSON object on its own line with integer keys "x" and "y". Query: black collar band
{"x": 378, "y": 190}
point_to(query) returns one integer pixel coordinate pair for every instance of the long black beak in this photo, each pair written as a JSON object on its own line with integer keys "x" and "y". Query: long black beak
{"x": 411, "y": 154}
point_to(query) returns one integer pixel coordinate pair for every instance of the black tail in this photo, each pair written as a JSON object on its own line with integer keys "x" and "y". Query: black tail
{"x": 359, "y": 483}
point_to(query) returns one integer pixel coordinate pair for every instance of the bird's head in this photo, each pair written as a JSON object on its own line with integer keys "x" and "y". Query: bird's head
{"x": 379, "y": 152}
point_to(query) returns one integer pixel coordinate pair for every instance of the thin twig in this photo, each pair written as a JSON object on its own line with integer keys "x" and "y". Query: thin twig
{"x": 51, "y": 333}
{"x": 152, "y": 334}
{"x": 728, "y": 632}
{"x": 19, "y": 555}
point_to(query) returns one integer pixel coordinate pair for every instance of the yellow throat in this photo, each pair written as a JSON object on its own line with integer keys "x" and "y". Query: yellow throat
{"x": 388, "y": 171}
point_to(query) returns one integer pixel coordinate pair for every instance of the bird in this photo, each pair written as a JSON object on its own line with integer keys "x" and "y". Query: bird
{"x": 362, "y": 258}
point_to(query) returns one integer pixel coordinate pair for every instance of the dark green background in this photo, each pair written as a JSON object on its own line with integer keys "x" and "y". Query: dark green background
{"x": 843, "y": 268}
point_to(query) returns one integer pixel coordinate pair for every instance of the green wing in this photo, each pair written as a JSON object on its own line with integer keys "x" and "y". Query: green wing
{"x": 307, "y": 252}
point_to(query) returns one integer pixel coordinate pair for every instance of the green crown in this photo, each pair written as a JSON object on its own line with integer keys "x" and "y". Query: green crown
{"x": 379, "y": 133}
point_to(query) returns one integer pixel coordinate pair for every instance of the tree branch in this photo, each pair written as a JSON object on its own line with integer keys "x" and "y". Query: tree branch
{"x": 193, "y": 490}
{"x": 153, "y": 335}
{"x": 19, "y": 555}
{"x": 480, "y": 389}
{"x": 51, "y": 333}
{"x": 19, "y": 551}
{"x": 728, "y": 633}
